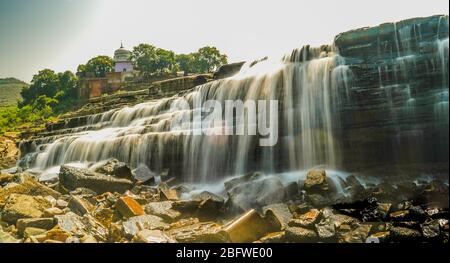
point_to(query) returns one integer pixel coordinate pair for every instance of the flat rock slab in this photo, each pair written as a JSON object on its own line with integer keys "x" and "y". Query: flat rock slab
{"x": 72, "y": 178}
{"x": 163, "y": 210}
{"x": 43, "y": 223}
{"x": 24, "y": 206}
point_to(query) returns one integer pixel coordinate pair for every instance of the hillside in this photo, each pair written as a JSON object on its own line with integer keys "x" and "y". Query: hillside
{"x": 10, "y": 90}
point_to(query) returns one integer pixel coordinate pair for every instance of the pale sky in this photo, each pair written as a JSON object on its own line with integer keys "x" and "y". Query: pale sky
{"x": 61, "y": 34}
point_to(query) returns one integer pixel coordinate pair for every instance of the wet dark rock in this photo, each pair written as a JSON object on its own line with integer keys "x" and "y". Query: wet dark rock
{"x": 256, "y": 193}
{"x": 72, "y": 178}
{"x": 408, "y": 224}
{"x": 385, "y": 192}
{"x": 217, "y": 199}
{"x": 319, "y": 200}
{"x": 115, "y": 168}
{"x": 291, "y": 190}
{"x": 367, "y": 210}
{"x": 355, "y": 188}
{"x": 357, "y": 235}
{"x": 431, "y": 229}
{"x": 230, "y": 184}
{"x": 228, "y": 70}
{"x": 143, "y": 174}
{"x": 403, "y": 234}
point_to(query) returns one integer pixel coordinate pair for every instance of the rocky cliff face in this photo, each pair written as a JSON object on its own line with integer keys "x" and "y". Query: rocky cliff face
{"x": 377, "y": 97}
{"x": 397, "y": 111}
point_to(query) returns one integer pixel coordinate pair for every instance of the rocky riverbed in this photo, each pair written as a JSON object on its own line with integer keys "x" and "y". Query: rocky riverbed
{"x": 109, "y": 202}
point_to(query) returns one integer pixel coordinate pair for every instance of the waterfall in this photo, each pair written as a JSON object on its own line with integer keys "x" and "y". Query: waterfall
{"x": 307, "y": 88}
{"x": 370, "y": 98}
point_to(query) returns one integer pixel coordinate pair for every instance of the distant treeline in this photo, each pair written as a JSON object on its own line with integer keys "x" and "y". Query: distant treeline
{"x": 51, "y": 94}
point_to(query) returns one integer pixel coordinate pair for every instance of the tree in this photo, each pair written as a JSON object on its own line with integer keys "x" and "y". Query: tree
{"x": 165, "y": 62}
{"x": 208, "y": 59}
{"x": 185, "y": 63}
{"x": 144, "y": 58}
{"x": 153, "y": 61}
{"x": 46, "y": 83}
{"x": 96, "y": 67}
{"x": 67, "y": 93}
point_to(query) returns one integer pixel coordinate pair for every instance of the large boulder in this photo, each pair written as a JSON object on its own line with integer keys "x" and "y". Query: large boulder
{"x": 316, "y": 181}
{"x": 115, "y": 168}
{"x": 255, "y": 192}
{"x": 72, "y": 178}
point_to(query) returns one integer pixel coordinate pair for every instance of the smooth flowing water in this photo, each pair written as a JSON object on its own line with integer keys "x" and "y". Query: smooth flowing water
{"x": 313, "y": 87}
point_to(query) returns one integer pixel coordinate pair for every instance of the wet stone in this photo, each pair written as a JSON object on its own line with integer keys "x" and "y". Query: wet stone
{"x": 358, "y": 235}
{"x": 403, "y": 234}
{"x": 72, "y": 178}
{"x": 431, "y": 229}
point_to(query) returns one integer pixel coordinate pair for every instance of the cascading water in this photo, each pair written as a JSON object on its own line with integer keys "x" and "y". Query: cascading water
{"x": 307, "y": 89}
{"x": 320, "y": 93}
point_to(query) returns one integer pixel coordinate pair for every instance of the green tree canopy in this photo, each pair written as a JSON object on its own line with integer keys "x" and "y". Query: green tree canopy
{"x": 208, "y": 59}
{"x": 46, "y": 83}
{"x": 96, "y": 67}
{"x": 153, "y": 61}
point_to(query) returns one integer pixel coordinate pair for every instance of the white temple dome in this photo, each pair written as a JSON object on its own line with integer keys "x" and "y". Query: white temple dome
{"x": 122, "y": 55}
